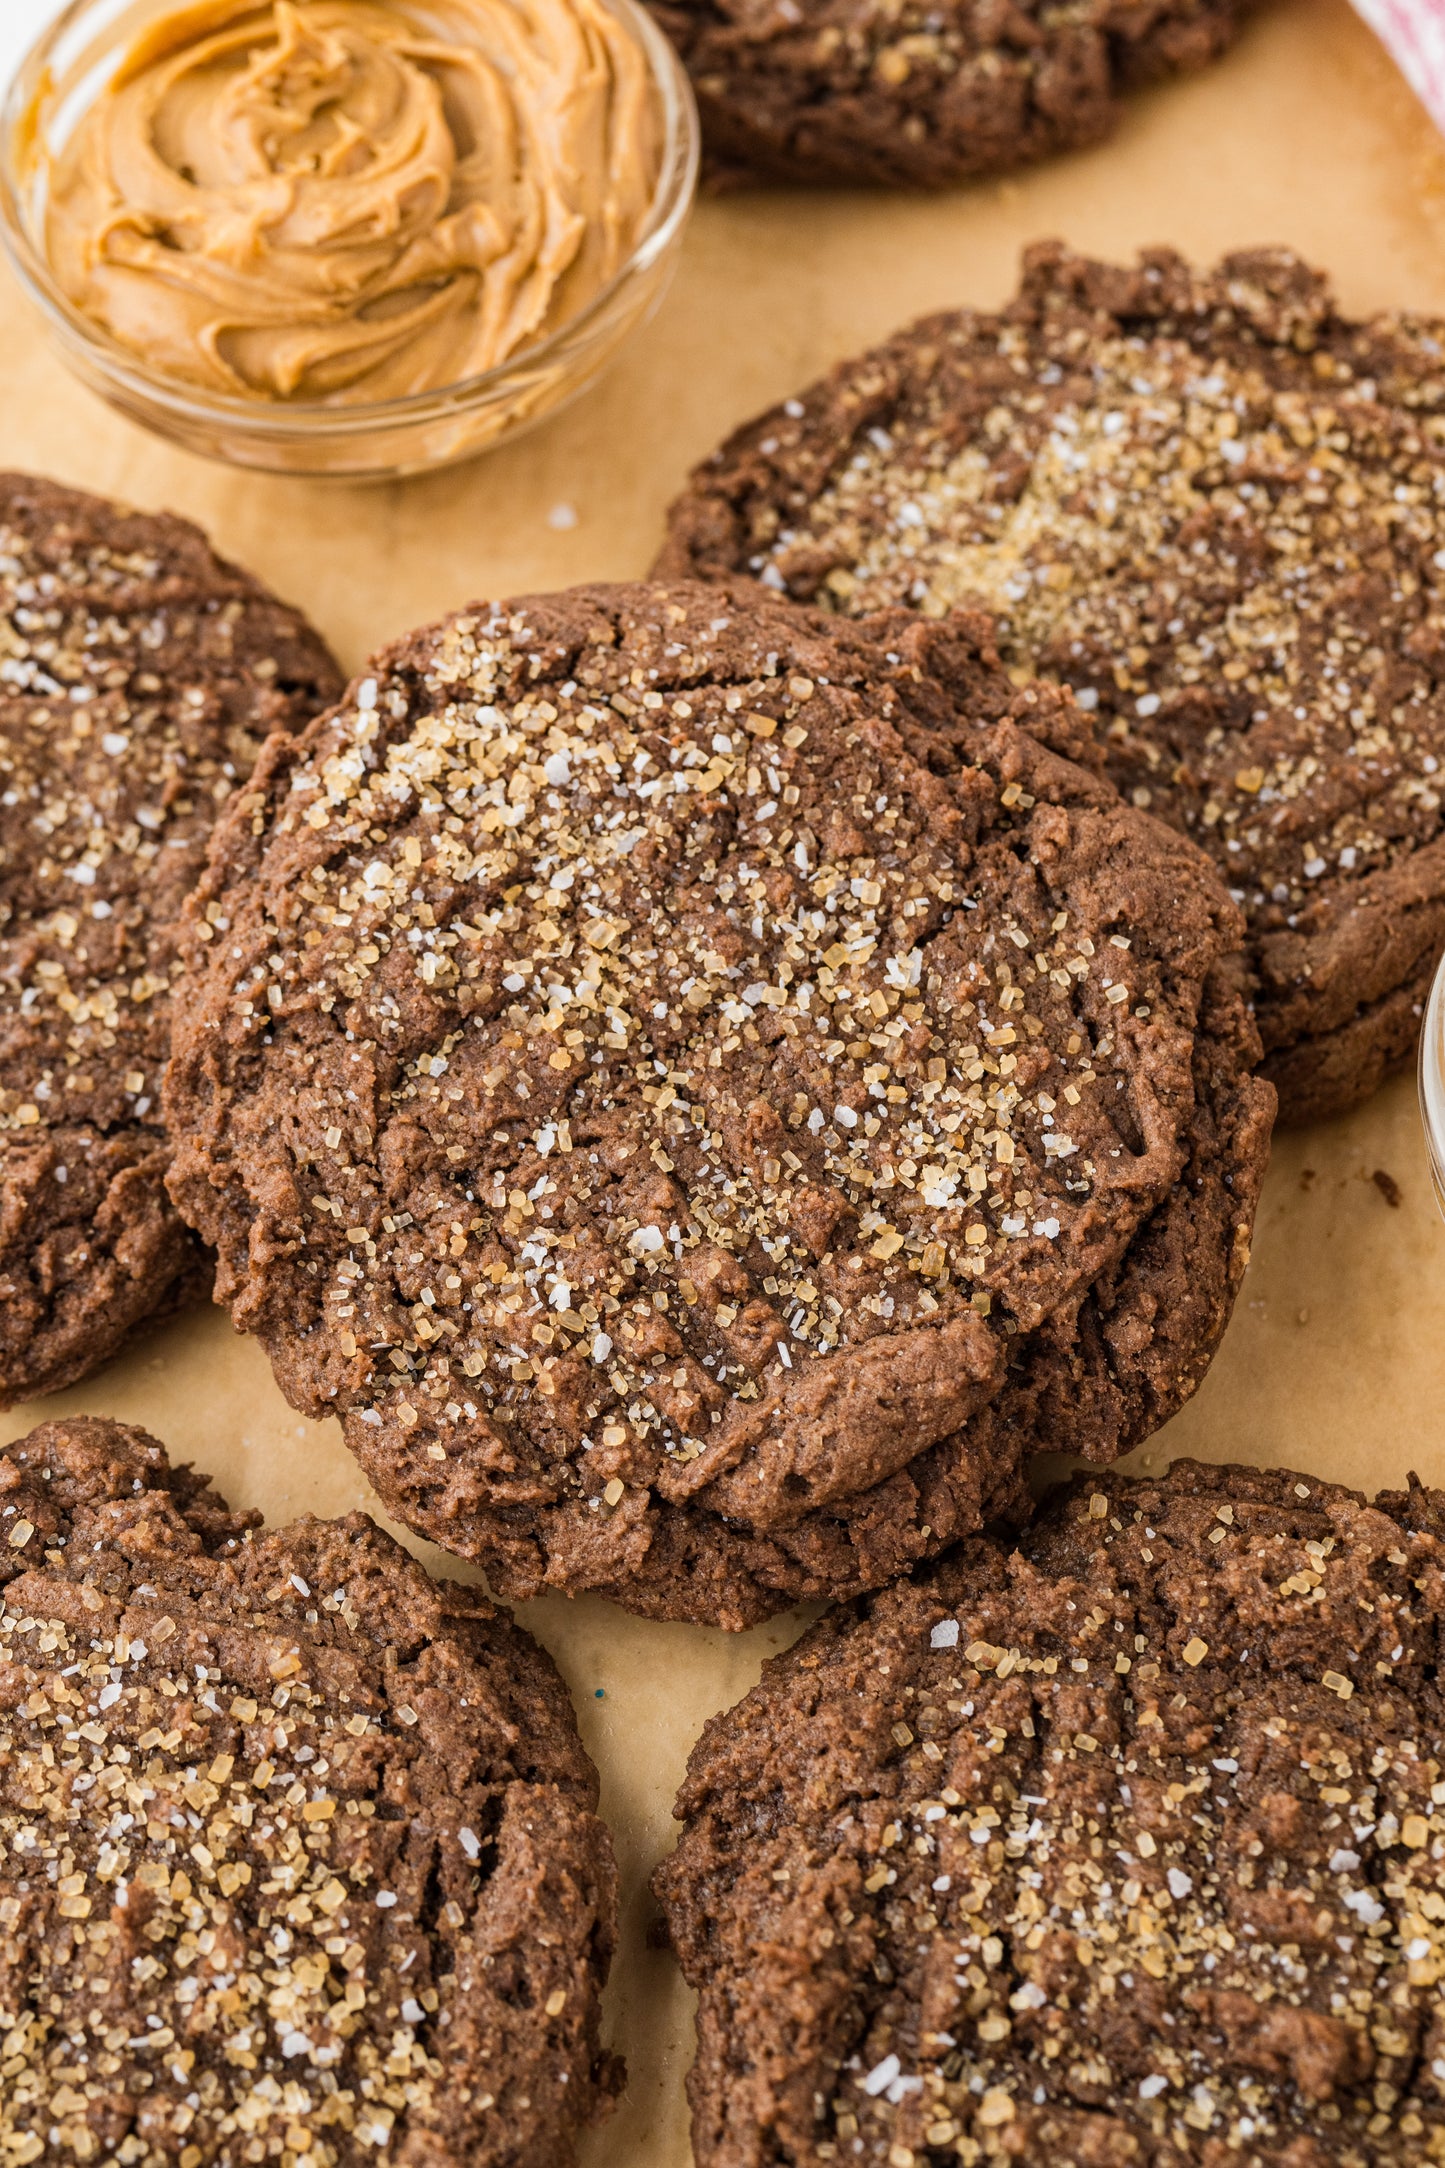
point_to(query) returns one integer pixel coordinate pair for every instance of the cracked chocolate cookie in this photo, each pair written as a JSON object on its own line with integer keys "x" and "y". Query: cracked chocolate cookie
{"x": 921, "y": 95}
{"x": 299, "y": 1857}
{"x": 138, "y": 675}
{"x": 1211, "y": 503}
{"x": 701, "y": 1091}
{"x": 1122, "y": 1847}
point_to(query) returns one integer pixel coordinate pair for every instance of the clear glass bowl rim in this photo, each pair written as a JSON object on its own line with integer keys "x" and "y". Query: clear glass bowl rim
{"x": 1432, "y": 1078}
{"x": 287, "y": 420}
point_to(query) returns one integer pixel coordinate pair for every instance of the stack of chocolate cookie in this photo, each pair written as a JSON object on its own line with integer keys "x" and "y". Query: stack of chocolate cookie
{"x": 706, "y": 1080}
{"x": 1121, "y": 1842}
{"x": 298, "y": 1850}
{"x": 703, "y": 1091}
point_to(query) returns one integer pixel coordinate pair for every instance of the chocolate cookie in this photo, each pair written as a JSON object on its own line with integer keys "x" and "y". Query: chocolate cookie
{"x": 138, "y": 676}
{"x": 918, "y": 94}
{"x": 298, "y": 1852}
{"x": 700, "y": 1092}
{"x": 1211, "y": 503}
{"x": 1122, "y": 1848}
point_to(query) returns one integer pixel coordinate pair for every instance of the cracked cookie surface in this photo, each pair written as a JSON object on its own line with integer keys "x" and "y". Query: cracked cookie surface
{"x": 1210, "y": 502}
{"x": 138, "y": 676}
{"x": 919, "y": 94}
{"x": 701, "y": 1092}
{"x": 298, "y": 1849}
{"x": 1122, "y": 1847}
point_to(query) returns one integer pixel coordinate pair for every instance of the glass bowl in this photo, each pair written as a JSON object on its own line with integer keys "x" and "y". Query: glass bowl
{"x": 58, "y": 81}
{"x": 1432, "y": 1080}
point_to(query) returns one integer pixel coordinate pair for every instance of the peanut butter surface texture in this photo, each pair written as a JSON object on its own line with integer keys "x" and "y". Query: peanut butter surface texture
{"x": 331, "y": 200}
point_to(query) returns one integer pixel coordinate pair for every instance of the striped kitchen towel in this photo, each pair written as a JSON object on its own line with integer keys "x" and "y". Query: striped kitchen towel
{"x": 1414, "y": 30}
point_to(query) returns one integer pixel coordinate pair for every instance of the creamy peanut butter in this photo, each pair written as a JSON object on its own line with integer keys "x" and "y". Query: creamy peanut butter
{"x": 334, "y": 200}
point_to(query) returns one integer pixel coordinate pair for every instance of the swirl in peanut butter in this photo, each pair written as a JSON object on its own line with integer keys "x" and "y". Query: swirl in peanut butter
{"x": 332, "y": 200}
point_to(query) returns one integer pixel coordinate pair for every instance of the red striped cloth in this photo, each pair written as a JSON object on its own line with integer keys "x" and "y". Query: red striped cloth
{"x": 1414, "y": 30}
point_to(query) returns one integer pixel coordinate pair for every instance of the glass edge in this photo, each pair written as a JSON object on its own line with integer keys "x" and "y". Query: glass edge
{"x": 1430, "y": 1075}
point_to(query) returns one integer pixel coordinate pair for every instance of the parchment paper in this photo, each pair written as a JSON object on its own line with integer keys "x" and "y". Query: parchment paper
{"x": 1335, "y": 1361}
